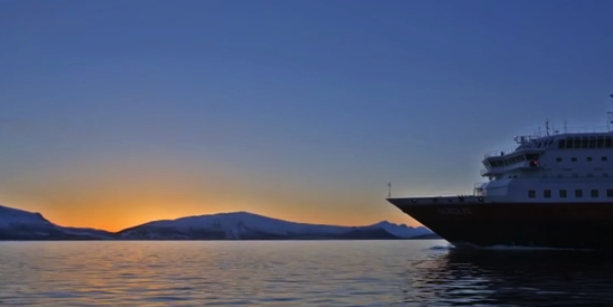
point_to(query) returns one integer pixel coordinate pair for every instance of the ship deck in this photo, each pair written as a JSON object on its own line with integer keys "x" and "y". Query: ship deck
{"x": 423, "y": 200}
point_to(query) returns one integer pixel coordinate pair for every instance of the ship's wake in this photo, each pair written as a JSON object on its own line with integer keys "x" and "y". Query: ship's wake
{"x": 469, "y": 246}
{"x": 440, "y": 247}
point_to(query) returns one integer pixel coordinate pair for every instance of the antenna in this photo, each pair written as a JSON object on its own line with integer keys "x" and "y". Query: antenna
{"x": 389, "y": 190}
{"x": 547, "y": 127}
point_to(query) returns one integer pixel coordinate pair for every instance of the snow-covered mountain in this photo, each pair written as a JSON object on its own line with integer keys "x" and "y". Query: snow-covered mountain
{"x": 18, "y": 224}
{"x": 249, "y": 226}
{"x": 402, "y": 231}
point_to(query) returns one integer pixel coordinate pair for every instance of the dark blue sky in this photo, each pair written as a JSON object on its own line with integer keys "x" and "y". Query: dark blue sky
{"x": 296, "y": 109}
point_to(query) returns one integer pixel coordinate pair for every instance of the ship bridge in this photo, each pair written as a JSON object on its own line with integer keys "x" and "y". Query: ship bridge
{"x": 520, "y": 160}
{"x": 526, "y": 156}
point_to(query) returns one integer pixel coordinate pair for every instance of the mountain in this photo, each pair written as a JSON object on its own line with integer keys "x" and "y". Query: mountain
{"x": 18, "y": 224}
{"x": 249, "y": 226}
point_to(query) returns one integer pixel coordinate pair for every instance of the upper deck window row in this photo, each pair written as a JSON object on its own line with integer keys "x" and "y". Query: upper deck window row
{"x": 586, "y": 142}
{"x": 515, "y": 159}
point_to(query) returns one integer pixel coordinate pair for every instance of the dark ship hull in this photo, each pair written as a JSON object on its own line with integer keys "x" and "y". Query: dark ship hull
{"x": 550, "y": 225}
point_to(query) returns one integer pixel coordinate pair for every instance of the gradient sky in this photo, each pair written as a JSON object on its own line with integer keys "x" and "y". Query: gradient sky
{"x": 115, "y": 113}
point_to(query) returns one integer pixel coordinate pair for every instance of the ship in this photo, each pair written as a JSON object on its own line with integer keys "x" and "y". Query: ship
{"x": 550, "y": 190}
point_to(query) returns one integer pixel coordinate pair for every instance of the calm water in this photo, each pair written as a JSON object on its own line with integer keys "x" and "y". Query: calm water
{"x": 314, "y": 273}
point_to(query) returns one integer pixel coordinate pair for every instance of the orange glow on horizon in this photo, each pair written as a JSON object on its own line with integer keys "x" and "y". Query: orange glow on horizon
{"x": 95, "y": 217}
{"x": 101, "y": 215}
{"x": 114, "y": 196}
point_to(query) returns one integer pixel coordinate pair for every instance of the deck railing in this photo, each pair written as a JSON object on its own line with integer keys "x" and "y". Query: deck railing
{"x": 497, "y": 153}
{"x": 572, "y": 129}
{"x": 478, "y": 189}
{"x": 583, "y": 129}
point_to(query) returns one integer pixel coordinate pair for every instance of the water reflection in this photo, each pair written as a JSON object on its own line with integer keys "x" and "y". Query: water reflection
{"x": 331, "y": 273}
{"x": 507, "y": 278}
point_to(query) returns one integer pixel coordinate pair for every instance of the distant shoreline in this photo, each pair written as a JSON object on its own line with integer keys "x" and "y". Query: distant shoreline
{"x": 20, "y": 225}
{"x": 213, "y": 240}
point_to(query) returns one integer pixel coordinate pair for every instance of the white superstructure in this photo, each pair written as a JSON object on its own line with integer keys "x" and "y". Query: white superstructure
{"x": 566, "y": 167}
{"x": 562, "y": 167}
{"x": 571, "y": 166}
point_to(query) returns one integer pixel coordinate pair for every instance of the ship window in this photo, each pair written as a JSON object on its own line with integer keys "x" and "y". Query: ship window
{"x": 578, "y": 193}
{"x": 573, "y": 159}
{"x": 603, "y": 158}
{"x": 605, "y": 175}
{"x": 562, "y": 144}
{"x": 560, "y": 175}
{"x": 609, "y": 192}
{"x": 562, "y": 193}
{"x": 589, "y": 158}
{"x": 600, "y": 142}
{"x": 559, "y": 159}
{"x": 594, "y": 193}
{"x": 547, "y": 193}
{"x": 592, "y": 142}
{"x": 585, "y": 142}
{"x": 569, "y": 143}
{"x": 590, "y": 175}
{"x": 531, "y": 194}
{"x": 607, "y": 142}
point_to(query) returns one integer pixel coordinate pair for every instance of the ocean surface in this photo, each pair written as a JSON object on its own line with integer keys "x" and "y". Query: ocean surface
{"x": 297, "y": 273}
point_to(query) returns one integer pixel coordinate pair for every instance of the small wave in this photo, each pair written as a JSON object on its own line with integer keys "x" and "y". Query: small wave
{"x": 529, "y": 248}
{"x": 516, "y": 248}
{"x": 440, "y": 248}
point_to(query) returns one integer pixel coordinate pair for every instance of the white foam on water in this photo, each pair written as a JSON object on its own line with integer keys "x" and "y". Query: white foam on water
{"x": 440, "y": 248}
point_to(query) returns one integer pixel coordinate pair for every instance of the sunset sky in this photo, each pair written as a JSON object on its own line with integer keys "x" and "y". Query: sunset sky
{"x": 115, "y": 113}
